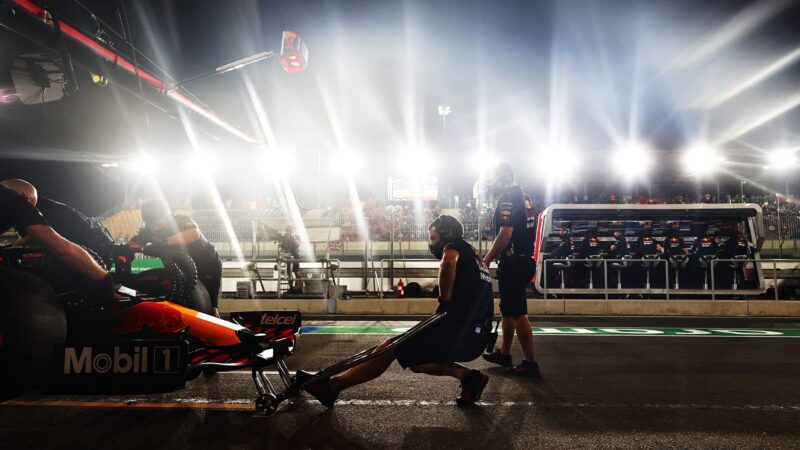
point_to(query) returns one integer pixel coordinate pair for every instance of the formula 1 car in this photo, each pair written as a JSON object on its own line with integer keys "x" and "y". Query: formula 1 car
{"x": 52, "y": 336}
{"x": 141, "y": 343}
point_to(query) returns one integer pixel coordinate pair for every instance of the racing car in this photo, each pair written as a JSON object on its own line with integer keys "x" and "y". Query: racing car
{"x": 52, "y": 337}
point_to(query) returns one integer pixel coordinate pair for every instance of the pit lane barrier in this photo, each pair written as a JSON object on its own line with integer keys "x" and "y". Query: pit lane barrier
{"x": 666, "y": 290}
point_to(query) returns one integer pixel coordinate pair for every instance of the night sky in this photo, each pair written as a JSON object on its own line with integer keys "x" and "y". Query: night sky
{"x": 531, "y": 82}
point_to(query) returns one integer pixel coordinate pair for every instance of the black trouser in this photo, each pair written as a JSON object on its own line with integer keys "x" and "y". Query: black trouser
{"x": 209, "y": 272}
{"x": 513, "y": 275}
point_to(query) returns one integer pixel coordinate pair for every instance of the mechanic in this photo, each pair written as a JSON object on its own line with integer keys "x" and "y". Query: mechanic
{"x": 289, "y": 244}
{"x": 514, "y": 222}
{"x": 161, "y": 226}
{"x": 17, "y": 198}
{"x": 75, "y": 226}
{"x": 465, "y": 294}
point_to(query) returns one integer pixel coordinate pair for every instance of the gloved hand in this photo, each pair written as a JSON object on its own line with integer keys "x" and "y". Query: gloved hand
{"x": 102, "y": 292}
{"x": 443, "y": 304}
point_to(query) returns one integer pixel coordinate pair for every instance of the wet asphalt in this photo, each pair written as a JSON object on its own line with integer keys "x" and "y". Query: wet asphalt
{"x": 596, "y": 392}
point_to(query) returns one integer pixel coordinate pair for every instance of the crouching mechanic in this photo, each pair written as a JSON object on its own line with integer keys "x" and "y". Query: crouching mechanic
{"x": 160, "y": 226}
{"x": 17, "y": 198}
{"x": 466, "y": 296}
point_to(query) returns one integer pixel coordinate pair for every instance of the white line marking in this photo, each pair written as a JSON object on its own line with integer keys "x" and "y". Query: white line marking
{"x": 597, "y": 335}
{"x": 499, "y": 404}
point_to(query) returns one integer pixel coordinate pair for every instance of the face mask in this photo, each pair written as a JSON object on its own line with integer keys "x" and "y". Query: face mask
{"x": 437, "y": 250}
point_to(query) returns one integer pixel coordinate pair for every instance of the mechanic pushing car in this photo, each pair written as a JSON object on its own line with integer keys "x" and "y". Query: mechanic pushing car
{"x": 75, "y": 226}
{"x": 514, "y": 221}
{"x": 465, "y": 295}
{"x": 17, "y": 198}
{"x": 162, "y": 227}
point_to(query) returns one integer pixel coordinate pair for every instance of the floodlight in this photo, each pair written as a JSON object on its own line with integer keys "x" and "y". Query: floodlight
{"x": 701, "y": 160}
{"x": 781, "y": 160}
{"x": 99, "y": 79}
{"x": 632, "y": 161}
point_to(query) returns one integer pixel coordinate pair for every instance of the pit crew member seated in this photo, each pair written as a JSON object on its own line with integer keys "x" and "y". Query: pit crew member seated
{"x": 466, "y": 295}
{"x": 564, "y": 249}
{"x": 590, "y": 246}
{"x": 620, "y": 246}
{"x": 702, "y": 247}
{"x": 17, "y": 198}
{"x": 673, "y": 246}
{"x": 161, "y": 226}
{"x": 735, "y": 245}
{"x": 646, "y": 244}
{"x": 617, "y": 250}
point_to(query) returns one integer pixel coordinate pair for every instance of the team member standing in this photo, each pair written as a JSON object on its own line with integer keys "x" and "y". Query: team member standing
{"x": 160, "y": 226}
{"x": 515, "y": 225}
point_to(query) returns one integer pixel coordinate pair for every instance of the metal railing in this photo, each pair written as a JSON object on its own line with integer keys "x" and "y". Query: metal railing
{"x": 280, "y": 264}
{"x": 774, "y": 263}
{"x": 666, "y": 290}
{"x": 605, "y": 273}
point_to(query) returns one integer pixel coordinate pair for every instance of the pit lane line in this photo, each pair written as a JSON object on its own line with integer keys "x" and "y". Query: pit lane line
{"x": 591, "y": 331}
{"x": 248, "y": 405}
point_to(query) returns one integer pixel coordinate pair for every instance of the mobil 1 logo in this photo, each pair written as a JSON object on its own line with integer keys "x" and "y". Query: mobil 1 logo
{"x": 139, "y": 365}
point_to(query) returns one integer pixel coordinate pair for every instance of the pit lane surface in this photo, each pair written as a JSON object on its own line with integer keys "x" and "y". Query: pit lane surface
{"x": 696, "y": 391}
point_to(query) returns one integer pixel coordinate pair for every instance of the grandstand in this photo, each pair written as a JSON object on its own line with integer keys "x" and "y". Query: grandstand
{"x": 337, "y": 229}
{"x": 124, "y": 224}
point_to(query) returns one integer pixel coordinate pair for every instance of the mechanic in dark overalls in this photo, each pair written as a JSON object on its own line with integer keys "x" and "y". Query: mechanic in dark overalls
{"x": 514, "y": 222}
{"x": 17, "y": 210}
{"x": 160, "y": 226}
{"x": 465, "y": 294}
{"x": 76, "y": 227}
